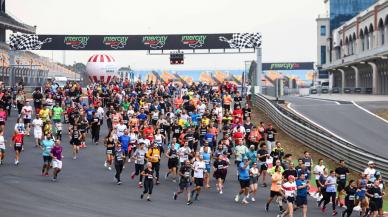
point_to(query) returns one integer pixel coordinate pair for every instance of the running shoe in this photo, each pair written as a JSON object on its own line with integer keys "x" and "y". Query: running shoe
{"x": 244, "y": 201}
{"x": 166, "y": 175}
{"x": 266, "y": 207}
{"x": 174, "y": 180}
{"x": 323, "y": 209}
{"x": 175, "y": 196}
{"x": 139, "y": 185}
{"x": 237, "y": 198}
{"x": 189, "y": 202}
{"x": 149, "y": 199}
{"x": 253, "y": 199}
{"x": 46, "y": 174}
{"x": 221, "y": 192}
{"x": 141, "y": 196}
{"x": 334, "y": 213}
{"x": 196, "y": 197}
{"x": 54, "y": 179}
{"x": 105, "y": 164}
{"x": 119, "y": 183}
{"x": 133, "y": 175}
{"x": 109, "y": 168}
{"x": 129, "y": 160}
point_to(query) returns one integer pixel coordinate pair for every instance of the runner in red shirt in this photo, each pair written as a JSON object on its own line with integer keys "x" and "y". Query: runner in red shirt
{"x": 17, "y": 138}
{"x": 238, "y": 115}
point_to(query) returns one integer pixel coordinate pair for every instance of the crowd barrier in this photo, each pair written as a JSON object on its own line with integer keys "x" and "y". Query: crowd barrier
{"x": 320, "y": 140}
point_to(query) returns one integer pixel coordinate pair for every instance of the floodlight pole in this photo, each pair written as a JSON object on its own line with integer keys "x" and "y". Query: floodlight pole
{"x": 259, "y": 71}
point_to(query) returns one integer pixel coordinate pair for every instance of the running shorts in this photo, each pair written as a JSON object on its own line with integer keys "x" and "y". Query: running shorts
{"x": 275, "y": 194}
{"x": 18, "y": 147}
{"x": 198, "y": 182}
{"x": 244, "y": 183}
{"x": 38, "y": 134}
{"x": 253, "y": 180}
{"x": 76, "y": 142}
{"x": 290, "y": 199}
{"x": 47, "y": 159}
{"x": 57, "y": 164}
{"x": 375, "y": 205}
{"x": 27, "y": 121}
{"x": 173, "y": 162}
{"x": 300, "y": 200}
{"x": 220, "y": 174}
{"x": 183, "y": 185}
{"x": 341, "y": 186}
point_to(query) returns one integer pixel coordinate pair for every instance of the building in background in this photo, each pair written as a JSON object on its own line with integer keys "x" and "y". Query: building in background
{"x": 354, "y": 55}
{"x": 341, "y": 11}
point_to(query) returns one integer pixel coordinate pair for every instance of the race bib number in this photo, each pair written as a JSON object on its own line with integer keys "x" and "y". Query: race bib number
{"x": 18, "y": 144}
{"x": 270, "y": 136}
{"x": 109, "y": 151}
{"x": 342, "y": 176}
{"x": 177, "y": 131}
{"x": 220, "y": 167}
{"x": 307, "y": 164}
{"x": 150, "y": 176}
{"x": 187, "y": 174}
{"x": 351, "y": 197}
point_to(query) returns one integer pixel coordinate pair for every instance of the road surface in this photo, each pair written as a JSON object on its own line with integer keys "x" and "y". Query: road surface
{"x": 347, "y": 121}
{"x": 86, "y": 189}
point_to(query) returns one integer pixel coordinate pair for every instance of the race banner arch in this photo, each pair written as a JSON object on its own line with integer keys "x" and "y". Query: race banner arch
{"x": 136, "y": 42}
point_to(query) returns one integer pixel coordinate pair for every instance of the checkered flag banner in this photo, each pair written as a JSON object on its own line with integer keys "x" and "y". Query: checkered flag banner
{"x": 26, "y": 42}
{"x": 243, "y": 40}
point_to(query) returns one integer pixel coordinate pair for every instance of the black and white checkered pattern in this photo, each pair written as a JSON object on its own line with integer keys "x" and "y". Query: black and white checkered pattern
{"x": 26, "y": 42}
{"x": 243, "y": 40}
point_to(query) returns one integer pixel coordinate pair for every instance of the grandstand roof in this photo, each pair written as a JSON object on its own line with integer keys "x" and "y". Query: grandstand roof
{"x": 11, "y": 23}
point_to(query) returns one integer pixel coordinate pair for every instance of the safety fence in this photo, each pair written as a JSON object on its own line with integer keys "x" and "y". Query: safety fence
{"x": 13, "y": 75}
{"x": 320, "y": 140}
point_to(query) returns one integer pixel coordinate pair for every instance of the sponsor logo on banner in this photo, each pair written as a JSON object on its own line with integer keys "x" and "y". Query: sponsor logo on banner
{"x": 155, "y": 41}
{"x": 284, "y": 66}
{"x": 115, "y": 42}
{"x": 193, "y": 41}
{"x": 76, "y": 42}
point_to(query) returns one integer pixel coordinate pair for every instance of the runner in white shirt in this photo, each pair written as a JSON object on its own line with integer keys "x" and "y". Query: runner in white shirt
{"x": 318, "y": 171}
{"x": 199, "y": 168}
{"x": 120, "y": 128}
{"x": 2, "y": 147}
{"x": 201, "y": 108}
{"x": 289, "y": 189}
{"x": 370, "y": 171}
{"x": 37, "y": 123}
{"x": 27, "y": 115}
{"x": 183, "y": 153}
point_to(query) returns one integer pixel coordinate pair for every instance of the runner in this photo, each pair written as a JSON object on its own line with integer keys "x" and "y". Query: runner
{"x": 153, "y": 156}
{"x": 56, "y": 155}
{"x": 75, "y": 141}
{"x": 119, "y": 155}
{"x": 254, "y": 176}
{"x": 110, "y": 145}
{"x": 149, "y": 177}
{"x": 18, "y": 139}
{"x": 199, "y": 168}
{"x": 263, "y": 156}
{"x": 276, "y": 185}
{"x": 27, "y": 115}
{"x": 342, "y": 173}
{"x": 289, "y": 190}
{"x": 350, "y": 190}
{"x": 376, "y": 198}
{"x": 331, "y": 189}
{"x": 207, "y": 156}
{"x": 2, "y": 146}
{"x": 47, "y": 145}
{"x": 220, "y": 167}
{"x": 271, "y": 137}
{"x": 139, "y": 157}
{"x": 318, "y": 170}
{"x": 3, "y": 118}
{"x": 303, "y": 187}
{"x": 173, "y": 160}
{"x": 243, "y": 176}
{"x": 185, "y": 182}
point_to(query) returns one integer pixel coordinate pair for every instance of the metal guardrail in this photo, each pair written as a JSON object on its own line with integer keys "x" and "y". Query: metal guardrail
{"x": 320, "y": 140}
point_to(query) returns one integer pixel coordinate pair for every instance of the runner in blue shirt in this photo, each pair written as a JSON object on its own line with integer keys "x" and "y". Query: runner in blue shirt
{"x": 301, "y": 195}
{"x": 244, "y": 178}
{"x": 47, "y": 145}
{"x": 124, "y": 140}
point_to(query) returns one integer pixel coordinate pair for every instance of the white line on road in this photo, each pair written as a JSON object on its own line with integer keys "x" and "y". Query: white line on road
{"x": 369, "y": 112}
{"x": 315, "y": 123}
{"x": 323, "y": 100}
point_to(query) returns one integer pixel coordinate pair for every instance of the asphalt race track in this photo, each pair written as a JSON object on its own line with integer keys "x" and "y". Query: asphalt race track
{"x": 86, "y": 189}
{"x": 347, "y": 121}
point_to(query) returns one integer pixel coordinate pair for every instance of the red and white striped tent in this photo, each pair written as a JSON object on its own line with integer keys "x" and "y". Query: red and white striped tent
{"x": 101, "y": 67}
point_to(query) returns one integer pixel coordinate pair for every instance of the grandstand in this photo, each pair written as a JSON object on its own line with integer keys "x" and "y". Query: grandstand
{"x": 16, "y": 66}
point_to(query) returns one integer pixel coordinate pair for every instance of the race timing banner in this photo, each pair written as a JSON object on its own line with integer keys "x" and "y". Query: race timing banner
{"x": 135, "y": 42}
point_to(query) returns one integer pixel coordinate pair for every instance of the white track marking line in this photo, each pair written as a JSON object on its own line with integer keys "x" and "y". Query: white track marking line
{"x": 323, "y": 100}
{"x": 369, "y": 112}
{"x": 315, "y": 123}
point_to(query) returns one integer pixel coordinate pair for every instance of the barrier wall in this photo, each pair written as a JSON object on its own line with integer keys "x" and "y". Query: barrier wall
{"x": 320, "y": 140}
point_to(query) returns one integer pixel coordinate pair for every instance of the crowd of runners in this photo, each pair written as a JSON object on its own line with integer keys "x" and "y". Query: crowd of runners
{"x": 199, "y": 132}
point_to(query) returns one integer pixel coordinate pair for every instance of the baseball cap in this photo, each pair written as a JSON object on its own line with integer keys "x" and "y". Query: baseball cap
{"x": 371, "y": 162}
